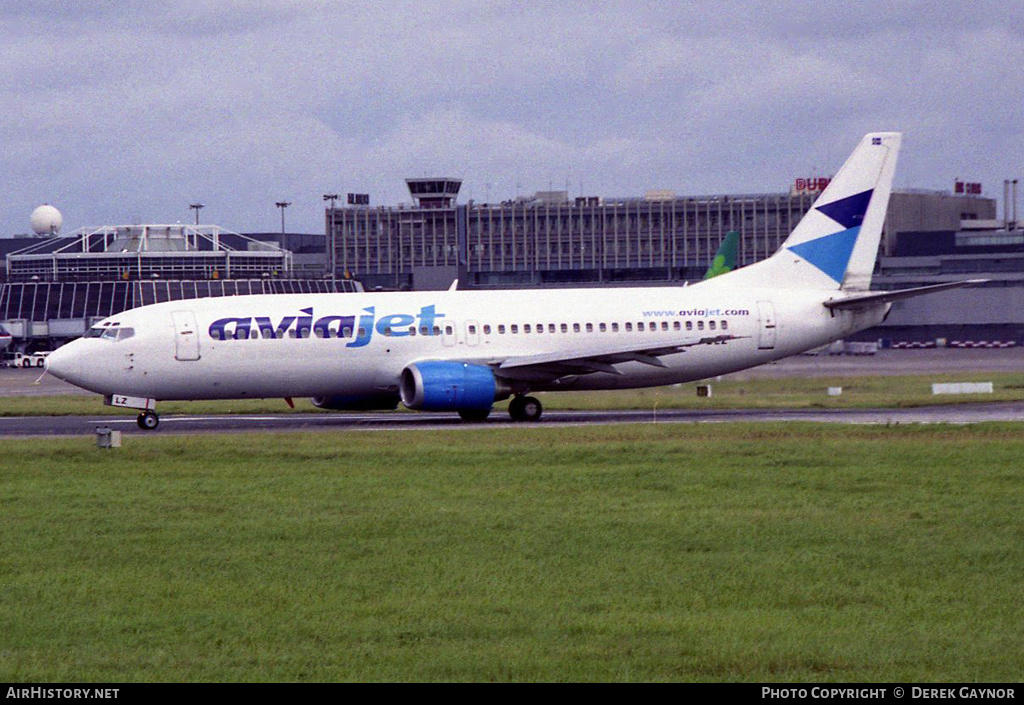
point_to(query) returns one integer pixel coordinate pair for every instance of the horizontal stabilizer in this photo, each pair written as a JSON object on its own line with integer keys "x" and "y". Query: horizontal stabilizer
{"x": 883, "y": 297}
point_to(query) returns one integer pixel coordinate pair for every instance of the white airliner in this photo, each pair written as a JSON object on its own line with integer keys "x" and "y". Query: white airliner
{"x": 462, "y": 351}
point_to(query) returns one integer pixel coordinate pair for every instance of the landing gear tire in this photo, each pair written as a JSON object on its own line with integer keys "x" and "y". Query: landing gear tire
{"x": 525, "y": 409}
{"x": 474, "y": 415}
{"x": 148, "y": 420}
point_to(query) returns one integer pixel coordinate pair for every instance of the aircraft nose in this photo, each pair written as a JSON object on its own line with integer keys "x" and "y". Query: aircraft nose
{"x": 64, "y": 363}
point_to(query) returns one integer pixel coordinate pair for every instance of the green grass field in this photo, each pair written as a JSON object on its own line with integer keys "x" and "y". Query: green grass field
{"x": 720, "y": 552}
{"x": 795, "y": 392}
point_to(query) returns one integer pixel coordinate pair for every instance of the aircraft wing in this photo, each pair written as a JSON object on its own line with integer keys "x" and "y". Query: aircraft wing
{"x": 883, "y": 297}
{"x": 601, "y": 359}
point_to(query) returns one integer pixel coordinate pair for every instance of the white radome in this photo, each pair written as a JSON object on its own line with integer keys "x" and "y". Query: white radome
{"x": 46, "y": 220}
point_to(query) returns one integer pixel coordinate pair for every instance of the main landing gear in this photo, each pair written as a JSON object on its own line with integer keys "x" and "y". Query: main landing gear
{"x": 148, "y": 420}
{"x": 525, "y": 409}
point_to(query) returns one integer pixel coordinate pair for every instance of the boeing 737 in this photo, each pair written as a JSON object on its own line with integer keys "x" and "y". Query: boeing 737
{"x": 462, "y": 351}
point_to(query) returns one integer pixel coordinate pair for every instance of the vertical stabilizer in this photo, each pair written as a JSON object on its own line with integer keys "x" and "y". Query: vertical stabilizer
{"x": 835, "y": 244}
{"x": 725, "y": 259}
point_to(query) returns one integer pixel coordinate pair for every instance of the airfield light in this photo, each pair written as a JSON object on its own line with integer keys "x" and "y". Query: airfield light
{"x": 282, "y": 205}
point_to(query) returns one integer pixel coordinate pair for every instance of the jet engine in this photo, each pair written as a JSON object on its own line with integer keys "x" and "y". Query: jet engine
{"x": 450, "y": 386}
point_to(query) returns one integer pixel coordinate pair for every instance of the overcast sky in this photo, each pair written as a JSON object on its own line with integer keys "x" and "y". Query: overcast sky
{"x": 119, "y": 111}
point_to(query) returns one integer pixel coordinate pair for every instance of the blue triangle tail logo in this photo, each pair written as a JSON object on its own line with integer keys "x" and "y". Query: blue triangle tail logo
{"x": 848, "y": 212}
{"x": 831, "y": 253}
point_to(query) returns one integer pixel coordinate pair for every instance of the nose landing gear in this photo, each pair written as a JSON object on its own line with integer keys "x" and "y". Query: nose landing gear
{"x": 148, "y": 420}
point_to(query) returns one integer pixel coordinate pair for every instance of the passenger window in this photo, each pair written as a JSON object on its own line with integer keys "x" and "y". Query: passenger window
{"x": 603, "y": 327}
{"x": 540, "y": 327}
{"x": 449, "y": 330}
{"x": 515, "y": 329}
{"x": 437, "y": 330}
{"x": 424, "y": 330}
{"x": 675, "y": 325}
{"x": 387, "y": 331}
{"x": 346, "y": 332}
{"x": 501, "y": 329}
{"x": 471, "y": 329}
{"x": 565, "y": 328}
{"x": 487, "y": 329}
{"x": 664, "y": 325}
{"x": 590, "y": 327}
{"x": 615, "y": 327}
{"x": 711, "y": 325}
{"x": 412, "y": 331}
{"x": 362, "y": 332}
{"x": 700, "y": 325}
{"x": 689, "y": 325}
{"x": 551, "y": 327}
{"x": 629, "y": 327}
{"x": 725, "y": 325}
{"x": 575, "y": 327}
{"x": 526, "y": 327}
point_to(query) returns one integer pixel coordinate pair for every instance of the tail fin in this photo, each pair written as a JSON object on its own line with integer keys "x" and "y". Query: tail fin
{"x": 725, "y": 258}
{"x": 835, "y": 244}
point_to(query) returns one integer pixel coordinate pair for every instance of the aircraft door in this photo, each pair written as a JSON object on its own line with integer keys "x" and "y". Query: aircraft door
{"x": 766, "y": 330}
{"x": 186, "y": 336}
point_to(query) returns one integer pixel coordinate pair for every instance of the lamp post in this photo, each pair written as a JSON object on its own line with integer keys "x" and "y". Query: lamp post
{"x": 282, "y": 205}
{"x": 332, "y": 197}
{"x": 196, "y": 207}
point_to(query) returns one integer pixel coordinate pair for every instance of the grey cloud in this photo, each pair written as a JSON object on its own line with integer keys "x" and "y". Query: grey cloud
{"x": 121, "y": 110}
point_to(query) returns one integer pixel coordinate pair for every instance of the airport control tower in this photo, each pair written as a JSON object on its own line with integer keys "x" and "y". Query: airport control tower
{"x": 434, "y": 192}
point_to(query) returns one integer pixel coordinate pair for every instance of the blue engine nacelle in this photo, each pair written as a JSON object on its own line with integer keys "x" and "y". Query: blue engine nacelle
{"x": 357, "y": 402}
{"x": 450, "y": 386}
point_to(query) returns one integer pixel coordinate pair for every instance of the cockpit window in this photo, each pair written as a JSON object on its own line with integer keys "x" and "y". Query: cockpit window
{"x": 113, "y": 333}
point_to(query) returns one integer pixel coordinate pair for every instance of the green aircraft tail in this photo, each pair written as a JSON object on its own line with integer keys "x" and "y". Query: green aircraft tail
{"x": 725, "y": 258}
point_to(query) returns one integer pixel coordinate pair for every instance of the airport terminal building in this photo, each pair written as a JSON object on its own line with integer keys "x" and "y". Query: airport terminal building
{"x": 53, "y": 288}
{"x": 550, "y": 240}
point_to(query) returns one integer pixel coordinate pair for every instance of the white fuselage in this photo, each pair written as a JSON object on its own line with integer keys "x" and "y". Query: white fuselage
{"x": 359, "y": 343}
{"x": 463, "y": 350}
